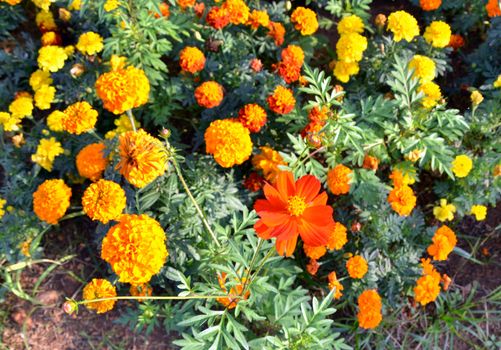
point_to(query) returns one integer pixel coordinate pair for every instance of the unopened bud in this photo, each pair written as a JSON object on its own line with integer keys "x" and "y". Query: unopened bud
{"x": 380, "y": 21}
{"x": 356, "y": 226}
{"x": 70, "y": 307}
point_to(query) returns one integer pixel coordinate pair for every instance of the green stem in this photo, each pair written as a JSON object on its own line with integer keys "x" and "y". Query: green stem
{"x": 168, "y": 297}
{"x": 251, "y": 265}
{"x": 131, "y": 118}
{"x": 72, "y": 215}
{"x": 251, "y": 279}
{"x": 197, "y": 207}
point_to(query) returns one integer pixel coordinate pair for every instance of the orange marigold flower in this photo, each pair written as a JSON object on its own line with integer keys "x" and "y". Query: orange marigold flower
{"x": 312, "y": 267}
{"x": 164, "y": 10}
{"x": 304, "y": 20}
{"x": 430, "y": 5}
{"x": 312, "y": 133}
{"x": 135, "y": 248}
{"x": 338, "y": 237}
{"x": 79, "y": 117}
{"x": 230, "y": 302}
{"x": 91, "y": 161}
{"x": 123, "y": 89}
{"x": 217, "y": 17}
{"x": 104, "y": 201}
{"x": 292, "y": 209}
{"x": 191, "y": 59}
{"x": 141, "y": 290}
{"x": 258, "y": 18}
{"x": 444, "y": 242}
{"x": 338, "y": 179}
{"x": 334, "y": 283}
{"x": 199, "y": 9}
{"x": 252, "y": 116}
{"x": 456, "y": 42}
{"x": 268, "y": 162}
{"x": 277, "y": 32}
{"x": 256, "y": 65}
{"x": 314, "y": 252}
{"x": 254, "y": 182}
{"x": 290, "y": 66}
{"x": 142, "y": 157}
{"x": 289, "y": 73}
{"x": 184, "y": 4}
{"x": 282, "y": 100}
{"x": 318, "y": 115}
{"x": 493, "y": 8}
{"x": 399, "y": 179}
{"x": 96, "y": 289}
{"x": 237, "y": 10}
{"x": 209, "y": 95}
{"x": 402, "y": 200}
{"x": 427, "y": 287}
{"x": 51, "y": 200}
{"x": 370, "y": 162}
{"x": 229, "y": 141}
{"x": 293, "y": 54}
{"x": 357, "y": 266}
{"x": 370, "y": 305}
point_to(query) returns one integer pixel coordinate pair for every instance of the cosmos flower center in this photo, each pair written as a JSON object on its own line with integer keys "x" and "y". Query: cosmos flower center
{"x": 296, "y": 205}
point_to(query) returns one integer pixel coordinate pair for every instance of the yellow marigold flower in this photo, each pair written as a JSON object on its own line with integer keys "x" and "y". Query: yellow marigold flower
{"x": 123, "y": 89}
{"x": 45, "y": 21}
{"x": 55, "y": 121}
{"x": 403, "y": 26}
{"x": 111, "y": 5}
{"x": 338, "y": 179}
{"x": 9, "y": 122}
{"x": 91, "y": 161}
{"x": 79, "y": 117}
{"x": 191, "y": 59}
{"x": 314, "y": 253}
{"x": 40, "y": 78}
{"x": 2, "y": 206}
{"x": 480, "y": 212}
{"x": 104, "y": 201}
{"x": 268, "y": 162}
{"x": 432, "y": 94}
{"x": 357, "y": 266}
{"x": 123, "y": 124}
{"x": 424, "y": 68}
{"x": 44, "y": 96}
{"x": 497, "y": 83}
{"x": 75, "y": 5}
{"x": 334, "y": 283}
{"x": 141, "y": 290}
{"x": 21, "y": 107}
{"x": 97, "y": 289}
{"x": 209, "y": 94}
{"x": 304, "y": 20}
{"x": 476, "y": 98}
{"x": 51, "y": 58}
{"x": 338, "y": 237}
{"x": 47, "y": 151}
{"x": 438, "y": 34}
{"x": 427, "y": 287}
{"x": 51, "y": 200}
{"x": 90, "y": 43}
{"x": 25, "y": 247}
{"x": 237, "y": 10}
{"x": 252, "y": 116}
{"x": 344, "y": 70}
{"x": 350, "y": 47}
{"x": 399, "y": 179}
{"x": 43, "y": 4}
{"x": 50, "y": 38}
{"x": 462, "y": 165}
{"x": 228, "y": 141}
{"x": 142, "y": 158}
{"x": 282, "y": 100}
{"x": 258, "y": 18}
{"x": 430, "y": 5}
{"x": 370, "y": 305}
{"x": 350, "y": 24}
{"x": 444, "y": 242}
{"x": 402, "y": 200}
{"x": 11, "y": 2}
{"x": 444, "y": 212}
{"x": 135, "y": 248}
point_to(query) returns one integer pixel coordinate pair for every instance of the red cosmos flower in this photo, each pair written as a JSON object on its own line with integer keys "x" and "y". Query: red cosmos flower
{"x": 293, "y": 208}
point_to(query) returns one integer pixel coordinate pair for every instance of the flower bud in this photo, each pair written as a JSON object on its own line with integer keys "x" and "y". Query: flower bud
{"x": 356, "y": 226}
{"x": 70, "y": 307}
{"x": 77, "y": 70}
{"x": 380, "y": 21}
{"x": 476, "y": 98}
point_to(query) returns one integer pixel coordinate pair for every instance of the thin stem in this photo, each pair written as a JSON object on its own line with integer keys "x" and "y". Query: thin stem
{"x": 72, "y": 215}
{"x": 168, "y": 297}
{"x": 268, "y": 255}
{"x": 251, "y": 265}
{"x": 197, "y": 207}
{"x": 131, "y": 118}
{"x": 93, "y": 133}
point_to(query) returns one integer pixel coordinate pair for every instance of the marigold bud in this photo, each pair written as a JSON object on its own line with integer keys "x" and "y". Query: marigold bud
{"x": 356, "y": 226}
{"x": 380, "y": 21}
{"x": 70, "y": 307}
{"x": 77, "y": 70}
